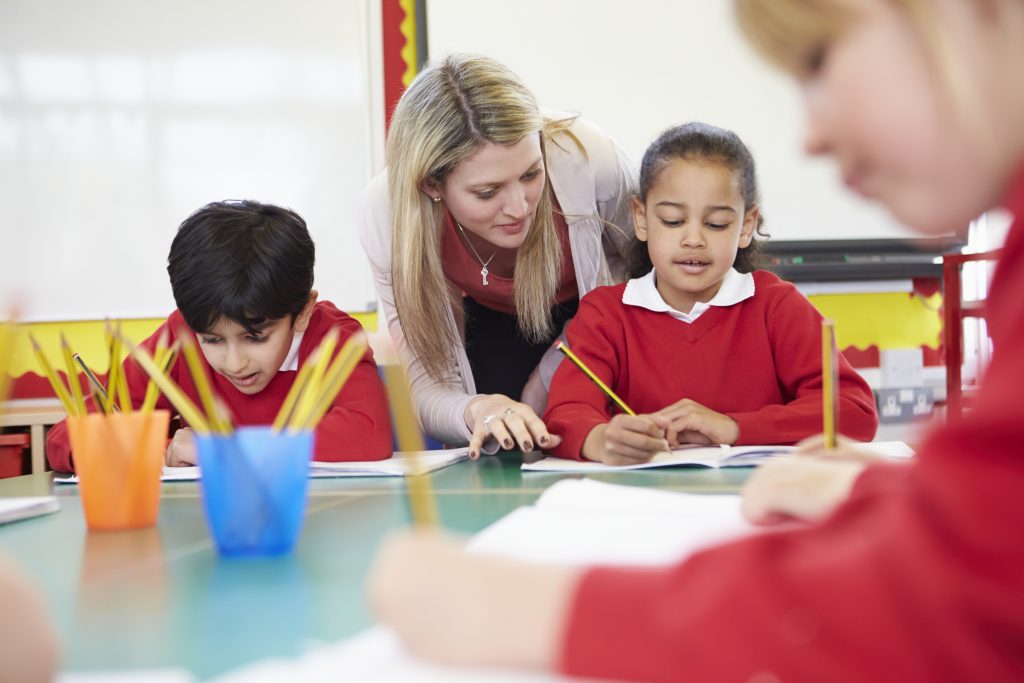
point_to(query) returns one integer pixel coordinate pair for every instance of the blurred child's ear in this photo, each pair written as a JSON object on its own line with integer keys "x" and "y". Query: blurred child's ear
{"x": 750, "y": 221}
{"x": 302, "y": 319}
{"x": 639, "y": 219}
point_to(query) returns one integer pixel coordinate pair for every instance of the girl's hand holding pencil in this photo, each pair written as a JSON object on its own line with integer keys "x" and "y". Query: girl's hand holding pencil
{"x": 693, "y": 423}
{"x": 627, "y": 439}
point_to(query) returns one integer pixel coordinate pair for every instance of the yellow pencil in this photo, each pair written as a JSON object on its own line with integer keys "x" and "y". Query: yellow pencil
{"x": 337, "y": 374}
{"x": 185, "y": 407}
{"x": 292, "y": 397}
{"x": 595, "y": 379}
{"x": 73, "y": 379}
{"x": 149, "y": 398}
{"x": 307, "y": 402}
{"x": 829, "y": 381}
{"x": 99, "y": 393}
{"x": 218, "y": 423}
{"x": 410, "y": 442}
{"x": 114, "y": 368}
{"x": 58, "y": 386}
{"x": 166, "y": 362}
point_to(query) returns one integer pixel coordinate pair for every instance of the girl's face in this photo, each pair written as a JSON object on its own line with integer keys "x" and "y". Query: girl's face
{"x": 876, "y": 102}
{"x": 693, "y": 221}
{"x": 493, "y": 193}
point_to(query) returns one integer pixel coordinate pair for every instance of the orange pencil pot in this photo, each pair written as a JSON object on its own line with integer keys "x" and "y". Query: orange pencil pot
{"x": 118, "y": 459}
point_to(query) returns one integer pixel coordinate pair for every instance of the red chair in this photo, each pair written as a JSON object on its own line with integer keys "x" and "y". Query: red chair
{"x": 956, "y": 310}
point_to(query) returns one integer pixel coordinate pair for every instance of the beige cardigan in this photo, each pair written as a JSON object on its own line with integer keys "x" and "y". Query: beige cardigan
{"x": 592, "y": 190}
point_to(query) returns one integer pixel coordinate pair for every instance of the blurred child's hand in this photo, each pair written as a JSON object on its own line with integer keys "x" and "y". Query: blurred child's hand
{"x": 181, "y": 452}
{"x": 456, "y": 608}
{"x": 846, "y": 449}
{"x": 805, "y": 488}
{"x": 627, "y": 440}
{"x": 690, "y": 422}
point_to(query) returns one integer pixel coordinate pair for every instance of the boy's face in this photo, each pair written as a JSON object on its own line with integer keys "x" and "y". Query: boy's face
{"x": 249, "y": 360}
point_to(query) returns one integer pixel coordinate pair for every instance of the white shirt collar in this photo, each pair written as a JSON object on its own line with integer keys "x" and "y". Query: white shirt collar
{"x": 291, "y": 361}
{"x": 643, "y": 292}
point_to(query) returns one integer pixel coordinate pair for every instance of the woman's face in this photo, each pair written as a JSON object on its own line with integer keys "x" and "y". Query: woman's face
{"x": 877, "y": 103}
{"x": 493, "y": 193}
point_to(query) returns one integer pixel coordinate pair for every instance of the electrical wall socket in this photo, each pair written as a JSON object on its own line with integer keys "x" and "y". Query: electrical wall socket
{"x": 902, "y": 368}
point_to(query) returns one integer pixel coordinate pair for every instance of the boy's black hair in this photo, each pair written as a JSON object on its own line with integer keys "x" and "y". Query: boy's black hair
{"x": 243, "y": 260}
{"x": 702, "y": 142}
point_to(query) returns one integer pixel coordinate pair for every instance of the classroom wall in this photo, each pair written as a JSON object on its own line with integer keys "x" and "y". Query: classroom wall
{"x": 637, "y": 67}
{"x": 118, "y": 118}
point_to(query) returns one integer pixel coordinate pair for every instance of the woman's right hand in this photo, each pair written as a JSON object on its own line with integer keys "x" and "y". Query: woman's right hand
{"x": 512, "y": 423}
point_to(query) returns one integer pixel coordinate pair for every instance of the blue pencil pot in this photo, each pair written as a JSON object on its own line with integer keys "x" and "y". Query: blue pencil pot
{"x": 254, "y": 486}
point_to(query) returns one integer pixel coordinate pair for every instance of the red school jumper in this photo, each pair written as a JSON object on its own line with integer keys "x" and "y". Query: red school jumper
{"x": 919, "y": 576}
{"x": 757, "y": 361}
{"x": 357, "y": 426}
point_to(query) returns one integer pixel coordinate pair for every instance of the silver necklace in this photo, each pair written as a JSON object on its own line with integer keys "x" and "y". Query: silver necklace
{"x": 484, "y": 264}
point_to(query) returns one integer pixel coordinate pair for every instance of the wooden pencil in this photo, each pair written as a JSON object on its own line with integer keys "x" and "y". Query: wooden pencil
{"x": 595, "y": 379}
{"x": 410, "y": 443}
{"x": 829, "y": 382}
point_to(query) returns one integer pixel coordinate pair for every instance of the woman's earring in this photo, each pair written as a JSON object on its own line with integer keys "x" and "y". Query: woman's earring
{"x": 436, "y": 200}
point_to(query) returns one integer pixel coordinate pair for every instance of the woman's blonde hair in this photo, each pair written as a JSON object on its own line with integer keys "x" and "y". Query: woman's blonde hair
{"x": 450, "y": 109}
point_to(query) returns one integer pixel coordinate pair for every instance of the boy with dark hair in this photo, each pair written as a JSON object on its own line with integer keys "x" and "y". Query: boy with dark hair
{"x": 242, "y": 278}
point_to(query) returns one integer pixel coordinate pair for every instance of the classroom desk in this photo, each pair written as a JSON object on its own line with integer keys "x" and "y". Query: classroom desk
{"x": 162, "y": 598}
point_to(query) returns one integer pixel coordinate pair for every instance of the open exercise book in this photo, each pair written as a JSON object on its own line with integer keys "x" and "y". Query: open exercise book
{"x": 706, "y": 456}
{"x": 398, "y": 465}
{"x": 576, "y": 521}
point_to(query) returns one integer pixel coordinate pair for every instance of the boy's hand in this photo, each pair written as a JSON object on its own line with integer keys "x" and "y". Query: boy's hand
{"x": 451, "y": 607}
{"x": 690, "y": 422}
{"x": 627, "y": 440}
{"x": 181, "y": 452}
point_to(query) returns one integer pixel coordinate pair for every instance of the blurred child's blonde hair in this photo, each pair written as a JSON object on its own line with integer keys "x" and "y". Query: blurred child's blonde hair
{"x": 793, "y": 33}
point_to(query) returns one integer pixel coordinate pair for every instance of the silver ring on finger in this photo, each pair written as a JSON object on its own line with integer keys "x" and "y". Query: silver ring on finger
{"x": 508, "y": 411}
{"x": 487, "y": 420}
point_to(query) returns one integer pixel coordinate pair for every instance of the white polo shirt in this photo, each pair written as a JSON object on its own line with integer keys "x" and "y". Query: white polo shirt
{"x": 643, "y": 292}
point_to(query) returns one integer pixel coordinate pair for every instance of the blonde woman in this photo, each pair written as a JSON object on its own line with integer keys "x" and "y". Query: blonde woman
{"x": 489, "y": 223}
{"x": 904, "y": 572}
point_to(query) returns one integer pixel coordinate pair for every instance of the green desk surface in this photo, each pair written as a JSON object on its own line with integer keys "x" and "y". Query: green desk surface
{"x": 163, "y": 598}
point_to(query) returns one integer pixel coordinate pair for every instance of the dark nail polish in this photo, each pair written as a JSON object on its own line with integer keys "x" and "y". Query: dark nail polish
{"x": 543, "y": 441}
{"x": 507, "y": 443}
{"x": 528, "y": 446}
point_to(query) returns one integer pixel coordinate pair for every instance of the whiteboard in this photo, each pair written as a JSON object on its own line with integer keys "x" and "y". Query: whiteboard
{"x": 118, "y": 118}
{"x": 637, "y": 67}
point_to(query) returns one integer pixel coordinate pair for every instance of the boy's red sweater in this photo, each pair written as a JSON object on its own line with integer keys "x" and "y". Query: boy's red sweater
{"x": 357, "y": 426}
